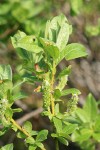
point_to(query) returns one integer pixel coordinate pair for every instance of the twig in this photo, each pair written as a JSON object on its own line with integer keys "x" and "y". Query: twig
{"x": 21, "y": 120}
{"x": 22, "y": 105}
{"x": 52, "y": 84}
{"x": 20, "y": 128}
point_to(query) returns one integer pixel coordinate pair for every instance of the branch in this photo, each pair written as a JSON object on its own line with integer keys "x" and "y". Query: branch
{"x": 21, "y": 120}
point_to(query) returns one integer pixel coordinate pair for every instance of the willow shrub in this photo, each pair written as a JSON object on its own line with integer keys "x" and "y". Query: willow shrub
{"x": 41, "y": 54}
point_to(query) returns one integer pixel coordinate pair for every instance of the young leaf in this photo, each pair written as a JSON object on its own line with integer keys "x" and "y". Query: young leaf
{"x": 8, "y": 112}
{"x": 68, "y": 129}
{"x": 63, "y": 140}
{"x": 4, "y": 130}
{"x": 74, "y": 50}
{"x": 54, "y": 135}
{"x": 97, "y": 124}
{"x": 82, "y": 115}
{"x": 82, "y": 135}
{"x": 61, "y": 57}
{"x": 7, "y": 147}
{"x": 62, "y": 82}
{"x": 6, "y": 87}
{"x": 65, "y": 71}
{"x": 19, "y": 95}
{"x": 63, "y": 36}
{"x": 70, "y": 91}
{"x": 21, "y": 135}
{"x": 5, "y": 72}
{"x": 21, "y": 40}
{"x": 50, "y": 48}
{"x": 56, "y": 108}
{"x": 42, "y": 135}
{"x": 40, "y": 145}
{"x": 53, "y": 27}
{"x": 33, "y": 147}
{"x": 16, "y": 110}
{"x": 14, "y": 128}
{"x": 57, "y": 93}
{"x": 96, "y": 136}
{"x": 28, "y": 126}
{"x": 57, "y": 124}
{"x": 34, "y": 133}
{"x": 90, "y": 107}
{"x": 30, "y": 140}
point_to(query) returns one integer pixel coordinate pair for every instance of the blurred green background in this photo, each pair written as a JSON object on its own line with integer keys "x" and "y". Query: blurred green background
{"x": 30, "y": 16}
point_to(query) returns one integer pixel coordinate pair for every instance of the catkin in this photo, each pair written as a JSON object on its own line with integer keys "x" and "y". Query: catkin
{"x": 72, "y": 104}
{"x": 46, "y": 94}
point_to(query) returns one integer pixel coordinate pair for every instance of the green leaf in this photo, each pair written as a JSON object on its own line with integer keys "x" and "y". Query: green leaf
{"x": 70, "y": 91}
{"x": 21, "y": 135}
{"x": 5, "y": 72}
{"x": 47, "y": 113}
{"x": 30, "y": 140}
{"x": 34, "y": 133}
{"x": 92, "y": 30}
{"x": 74, "y": 50}
{"x": 90, "y": 107}
{"x": 4, "y": 8}
{"x": 19, "y": 95}
{"x": 8, "y": 113}
{"x": 63, "y": 140}
{"x": 57, "y": 93}
{"x": 4, "y": 130}
{"x": 7, "y": 147}
{"x": 16, "y": 110}
{"x": 50, "y": 48}
{"x": 82, "y": 115}
{"x": 30, "y": 78}
{"x": 21, "y": 40}
{"x": 87, "y": 145}
{"x": 68, "y": 129}
{"x": 56, "y": 108}
{"x": 57, "y": 124}
{"x": 53, "y": 27}
{"x": 63, "y": 35}
{"x": 40, "y": 145}
{"x": 42, "y": 135}
{"x": 28, "y": 126}
{"x": 58, "y": 30}
{"x": 54, "y": 135}
{"x": 24, "y": 10}
{"x": 6, "y": 88}
{"x": 33, "y": 147}
{"x": 96, "y": 136}
{"x": 17, "y": 85}
{"x": 61, "y": 56}
{"x": 62, "y": 82}
{"x": 29, "y": 57}
{"x": 14, "y": 127}
{"x": 20, "y": 11}
{"x": 3, "y": 20}
{"x": 65, "y": 71}
{"x": 76, "y": 6}
{"x": 82, "y": 135}
{"x": 60, "y": 115}
{"x": 97, "y": 124}
{"x": 6, "y": 123}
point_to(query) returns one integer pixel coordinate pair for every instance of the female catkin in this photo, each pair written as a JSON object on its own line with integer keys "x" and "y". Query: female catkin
{"x": 46, "y": 93}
